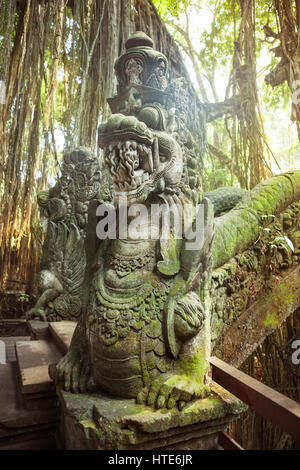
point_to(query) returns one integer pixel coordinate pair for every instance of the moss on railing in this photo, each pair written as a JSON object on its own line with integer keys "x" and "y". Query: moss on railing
{"x": 237, "y": 230}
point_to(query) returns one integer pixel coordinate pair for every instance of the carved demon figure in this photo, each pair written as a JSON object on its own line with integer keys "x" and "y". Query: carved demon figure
{"x": 65, "y": 207}
{"x": 144, "y": 330}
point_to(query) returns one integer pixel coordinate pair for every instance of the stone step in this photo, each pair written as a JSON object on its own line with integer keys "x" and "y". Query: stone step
{"x": 38, "y": 329}
{"x": 10, "y": 347}
{"x": 42, "y": 403}
{"x": 15, "y": 419}
{"x": 41, "y": 440}
{"x": 62, "y": 332}
{"x": 33, "y": 359}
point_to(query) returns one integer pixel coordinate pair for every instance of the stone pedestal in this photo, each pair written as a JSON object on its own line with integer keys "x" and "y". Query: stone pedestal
{"x": 99, "y": 422}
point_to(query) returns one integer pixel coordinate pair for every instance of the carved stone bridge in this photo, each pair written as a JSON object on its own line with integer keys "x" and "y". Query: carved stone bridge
{"x": 256, "y": 283}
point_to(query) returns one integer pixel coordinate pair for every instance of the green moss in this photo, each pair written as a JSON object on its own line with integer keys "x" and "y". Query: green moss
{"x": 271, "y": 320}
{"x": 171, "y": 263}
{"x": 178, "y": 287}
{"x": 238, "y": 229}
{"x": 193, "y": 372}
{"x": 88, "y": 423}
{"x": 194, "y": 365}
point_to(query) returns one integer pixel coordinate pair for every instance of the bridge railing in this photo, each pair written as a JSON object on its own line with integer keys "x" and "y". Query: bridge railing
{"x": 267, "y": 402}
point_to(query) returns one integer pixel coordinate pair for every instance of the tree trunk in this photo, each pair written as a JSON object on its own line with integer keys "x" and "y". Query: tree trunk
{"x": 288, "y": 68}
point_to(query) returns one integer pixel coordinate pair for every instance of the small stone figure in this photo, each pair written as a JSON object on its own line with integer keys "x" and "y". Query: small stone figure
{"x": 158, "y": 79}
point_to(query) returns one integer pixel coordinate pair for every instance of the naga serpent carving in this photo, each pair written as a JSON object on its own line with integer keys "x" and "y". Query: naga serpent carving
{"x": 144, "y": 329}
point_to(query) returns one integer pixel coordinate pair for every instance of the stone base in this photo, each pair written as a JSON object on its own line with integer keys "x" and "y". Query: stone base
{"x": 99, "y": 422}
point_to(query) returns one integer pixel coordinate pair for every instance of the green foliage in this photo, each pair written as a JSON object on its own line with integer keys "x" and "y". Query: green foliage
{"x": 216, "y": 177}
{"x": 281, "y": 242}
{"x": 277, "y": 97}
{"x": 271, "y": 320}
{"x": 23, "y": 297}
{"x": 173, "y": 7}
{"x": 218, "y": 39}
{"x": 206, "y": 31}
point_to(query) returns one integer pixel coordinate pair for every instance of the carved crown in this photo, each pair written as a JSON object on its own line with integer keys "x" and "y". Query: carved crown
{"x": 141, "y": 64}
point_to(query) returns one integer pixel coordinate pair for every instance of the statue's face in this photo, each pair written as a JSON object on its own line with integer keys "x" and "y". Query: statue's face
{"x": 131, "y": 168}
{"x": 140, "y": 160}
{"x": 138, "y": 170}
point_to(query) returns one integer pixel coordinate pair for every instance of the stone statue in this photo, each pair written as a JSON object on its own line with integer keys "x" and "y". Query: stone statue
{"x": 65, "y": 207}
{"x": 144, "y": 331}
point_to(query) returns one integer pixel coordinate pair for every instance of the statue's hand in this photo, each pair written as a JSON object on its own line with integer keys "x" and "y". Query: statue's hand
{"x": 36, "y": 314}
{"x": 73, "y": 373}
{"x": 172, "y": 390}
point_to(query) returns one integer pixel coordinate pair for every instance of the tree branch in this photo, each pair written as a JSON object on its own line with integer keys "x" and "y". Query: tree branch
{"x": 216, "y": 110}
{"x": 279, "y": 74}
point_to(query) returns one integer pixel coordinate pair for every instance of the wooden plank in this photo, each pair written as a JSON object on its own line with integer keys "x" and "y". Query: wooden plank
{"x": 269, "y": 403}
{"x": 34, "y": 358}
{"x": 227, "y": 442}
{"x": 62, "y": 332}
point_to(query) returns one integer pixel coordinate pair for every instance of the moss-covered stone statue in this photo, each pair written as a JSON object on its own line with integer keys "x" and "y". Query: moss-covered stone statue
{"x": 65, "y": 208}
{"x": 144, "y": 331}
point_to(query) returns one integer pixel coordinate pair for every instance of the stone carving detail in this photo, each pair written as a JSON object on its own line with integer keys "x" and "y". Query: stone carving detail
{"x": 250, "y": 275}
{"x": 141, "y": 65}
{"x": 144, "y": 332}
{"x": 65, "y": 206}
{"x": 158, "y": 79}
{"x": 133, "y": 70}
